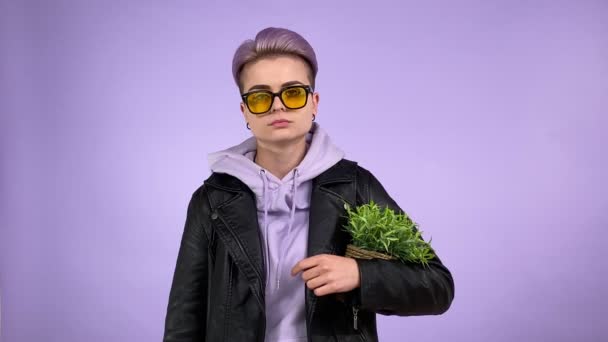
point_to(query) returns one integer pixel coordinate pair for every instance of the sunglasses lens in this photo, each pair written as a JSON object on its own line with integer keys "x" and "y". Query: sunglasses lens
{"x": 259, "y": 102}
{"x": 294, "y": 97}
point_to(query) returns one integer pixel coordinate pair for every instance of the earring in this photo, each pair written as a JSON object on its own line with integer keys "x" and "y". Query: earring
{"x": 314, "y": 117}
{"x": 248, "y": 126}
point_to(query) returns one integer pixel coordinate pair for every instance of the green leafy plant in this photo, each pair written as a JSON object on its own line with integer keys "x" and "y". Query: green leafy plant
{"x": 382, "y": 230}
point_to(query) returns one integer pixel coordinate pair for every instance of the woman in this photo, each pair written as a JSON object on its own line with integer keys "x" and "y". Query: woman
{"x": 261, "y": 256}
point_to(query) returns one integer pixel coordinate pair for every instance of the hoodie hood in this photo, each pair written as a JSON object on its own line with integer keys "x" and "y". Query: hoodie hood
{"x": 238, "y": 161}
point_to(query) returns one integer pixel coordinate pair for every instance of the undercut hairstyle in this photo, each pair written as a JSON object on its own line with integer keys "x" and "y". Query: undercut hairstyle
{"x": 274, "y": 42}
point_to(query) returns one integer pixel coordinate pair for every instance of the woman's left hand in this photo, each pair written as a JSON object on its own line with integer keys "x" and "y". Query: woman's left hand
{"x": 326, "y": 273}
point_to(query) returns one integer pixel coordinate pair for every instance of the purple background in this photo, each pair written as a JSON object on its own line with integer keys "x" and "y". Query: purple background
{"x": 486, "y": 121}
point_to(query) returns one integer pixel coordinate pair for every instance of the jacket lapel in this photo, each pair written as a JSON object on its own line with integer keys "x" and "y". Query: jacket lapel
{"x": 234, "y": 213}
{"x": 331, "y": 190}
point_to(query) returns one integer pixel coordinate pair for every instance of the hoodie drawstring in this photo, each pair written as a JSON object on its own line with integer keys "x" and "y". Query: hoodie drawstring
{"x": 265, "y": 223}
{"x": 294, "y": 190}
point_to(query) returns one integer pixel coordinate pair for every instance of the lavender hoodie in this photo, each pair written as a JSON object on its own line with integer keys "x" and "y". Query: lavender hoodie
{"x": 283, "y": 207}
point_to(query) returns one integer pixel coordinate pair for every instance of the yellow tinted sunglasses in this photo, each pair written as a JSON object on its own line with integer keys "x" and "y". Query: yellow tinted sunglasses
{"x": 292, "y": 97}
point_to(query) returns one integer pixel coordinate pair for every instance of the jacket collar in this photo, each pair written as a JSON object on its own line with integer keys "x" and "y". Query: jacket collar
{"x": 341, "y": 172}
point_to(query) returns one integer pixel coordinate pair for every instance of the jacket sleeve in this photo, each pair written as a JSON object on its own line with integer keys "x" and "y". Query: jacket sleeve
{"x": 186, "y": 311}
{"x": 392, "y": 287}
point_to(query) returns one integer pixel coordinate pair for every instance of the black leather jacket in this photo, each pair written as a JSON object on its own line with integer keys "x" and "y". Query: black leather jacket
{"x": 217, "y": 293}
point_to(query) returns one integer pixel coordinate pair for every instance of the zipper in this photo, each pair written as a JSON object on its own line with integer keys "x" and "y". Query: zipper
{"x": 356, "y": 309}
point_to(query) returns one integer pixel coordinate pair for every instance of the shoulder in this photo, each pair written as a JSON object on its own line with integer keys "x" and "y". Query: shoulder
{"x": 352, "y": 166}
{"x": 200, "y": 196}
{"x": 198, "y": 199}
{"x": 369, "y": 187}
{"x": 218, "y": 188}
{"x": 366, "y": 183}
{"x": 363, "y": 173}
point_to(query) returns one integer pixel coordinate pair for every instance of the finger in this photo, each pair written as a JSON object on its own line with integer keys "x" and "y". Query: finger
{"x": 317, "y": 282}
{"x": 306, "y": 264}
{"x": 325, "y": 290}
{"x": 311, "y": 273}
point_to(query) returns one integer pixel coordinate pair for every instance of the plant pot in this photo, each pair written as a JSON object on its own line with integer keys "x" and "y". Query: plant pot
{"x": 359, "y": 253}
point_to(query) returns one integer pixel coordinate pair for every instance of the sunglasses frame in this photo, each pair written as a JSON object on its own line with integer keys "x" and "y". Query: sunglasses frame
{"x": 308, "y": 89}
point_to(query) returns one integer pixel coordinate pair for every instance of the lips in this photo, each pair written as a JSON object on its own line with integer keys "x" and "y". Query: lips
{"x": 279, "y": 121}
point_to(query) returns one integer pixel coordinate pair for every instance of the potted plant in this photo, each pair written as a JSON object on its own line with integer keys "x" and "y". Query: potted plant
{"x": 381, "y": 233}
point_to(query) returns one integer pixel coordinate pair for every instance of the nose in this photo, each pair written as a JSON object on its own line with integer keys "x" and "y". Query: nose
{"x": 277, "y": 104}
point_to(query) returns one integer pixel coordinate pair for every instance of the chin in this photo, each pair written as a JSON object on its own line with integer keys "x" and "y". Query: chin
{"x": 283, "y": 135}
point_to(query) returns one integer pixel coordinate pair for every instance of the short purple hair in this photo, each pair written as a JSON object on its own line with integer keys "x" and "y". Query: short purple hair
{"x": 274, "y": 41}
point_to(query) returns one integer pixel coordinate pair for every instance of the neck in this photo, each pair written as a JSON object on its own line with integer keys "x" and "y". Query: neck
{"x": 280, "y": 159}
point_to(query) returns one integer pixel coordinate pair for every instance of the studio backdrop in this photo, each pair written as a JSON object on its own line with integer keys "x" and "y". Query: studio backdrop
{"x": 485, "y": 120}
